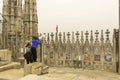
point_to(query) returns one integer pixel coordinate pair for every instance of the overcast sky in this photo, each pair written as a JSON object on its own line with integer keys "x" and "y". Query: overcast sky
{"x": 76, "y": 15}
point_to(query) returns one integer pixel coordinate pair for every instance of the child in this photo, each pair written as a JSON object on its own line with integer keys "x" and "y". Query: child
{"x": 28, "y": 54}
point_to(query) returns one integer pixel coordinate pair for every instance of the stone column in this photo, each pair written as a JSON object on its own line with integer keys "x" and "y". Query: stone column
{"x": 119, "y": 51}
{"x": 82, "y": 48}
{"x": 119, "y": 37}
{"x": 114, "y": 50}
{"x": 102, "y": 50}
{"x": 92, "y": 49}
{"x": 64, "y": 48}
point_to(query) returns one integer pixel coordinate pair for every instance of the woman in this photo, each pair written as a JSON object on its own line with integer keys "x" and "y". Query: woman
{"x": 35, "y": 43}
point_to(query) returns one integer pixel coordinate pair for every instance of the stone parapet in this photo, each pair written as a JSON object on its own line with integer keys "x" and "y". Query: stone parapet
{"x": 6, "y": 54}
{"x": 35, "y": 68}
{"x": 13, "y": 65}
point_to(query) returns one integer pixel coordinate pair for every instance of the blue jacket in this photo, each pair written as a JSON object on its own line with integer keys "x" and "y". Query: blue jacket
{"x": 35, "y": 43}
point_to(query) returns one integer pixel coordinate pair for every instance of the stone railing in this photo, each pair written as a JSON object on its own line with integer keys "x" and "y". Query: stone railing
{"x": 96, "y": 49}
{"x": 5, "y": 55}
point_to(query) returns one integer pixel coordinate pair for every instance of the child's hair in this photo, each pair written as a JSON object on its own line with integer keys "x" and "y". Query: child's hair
{"x": 28, "y": 44}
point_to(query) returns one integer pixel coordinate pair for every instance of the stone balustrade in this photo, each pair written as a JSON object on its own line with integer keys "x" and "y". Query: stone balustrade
{"x": 6, "y": 55}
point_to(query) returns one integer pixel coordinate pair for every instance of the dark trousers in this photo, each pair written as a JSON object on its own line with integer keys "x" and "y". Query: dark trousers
{"x": 29, "y": 61}
{"x": 34, "y": 52}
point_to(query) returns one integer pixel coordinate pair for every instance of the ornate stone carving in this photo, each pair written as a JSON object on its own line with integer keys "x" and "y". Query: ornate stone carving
{"x": 92, "y": 53}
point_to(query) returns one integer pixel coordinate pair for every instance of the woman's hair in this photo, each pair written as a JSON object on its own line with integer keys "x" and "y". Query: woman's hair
{"x": 35, "y": 37}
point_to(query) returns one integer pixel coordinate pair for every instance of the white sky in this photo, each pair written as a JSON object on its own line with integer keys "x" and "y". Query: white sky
{"x": 76, "y": 15}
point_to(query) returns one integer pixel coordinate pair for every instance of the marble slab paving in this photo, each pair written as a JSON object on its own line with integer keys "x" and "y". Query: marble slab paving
{"x": 61, "y": 74}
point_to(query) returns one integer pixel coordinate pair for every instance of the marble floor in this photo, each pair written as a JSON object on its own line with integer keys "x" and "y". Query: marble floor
{"x": 61, "y": 74}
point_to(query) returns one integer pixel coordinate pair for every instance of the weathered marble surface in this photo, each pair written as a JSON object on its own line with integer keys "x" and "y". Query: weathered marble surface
{"x": 5, "y": 54}
{"x": 35, "y": 68}
{"x": 13, "y": 65}
{"x": 3, "y": 62}
{"x": 61, "y": 74}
